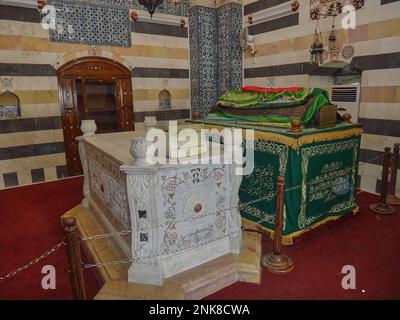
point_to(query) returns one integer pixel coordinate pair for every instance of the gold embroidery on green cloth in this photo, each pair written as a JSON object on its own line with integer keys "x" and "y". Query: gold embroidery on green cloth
{"x": 259, "y": 186}
{"x": 275, "y": 149}
{"x": 324, "y": 149}
{"x": 262, "y": 179}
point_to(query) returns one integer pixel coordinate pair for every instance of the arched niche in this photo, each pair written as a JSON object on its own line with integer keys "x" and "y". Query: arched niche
{"x": 164, "y": 99}
{"x": 9, "y": 105}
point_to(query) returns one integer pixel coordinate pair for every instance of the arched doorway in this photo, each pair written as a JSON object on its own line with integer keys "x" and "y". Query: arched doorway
{"x": 93, "y": 88}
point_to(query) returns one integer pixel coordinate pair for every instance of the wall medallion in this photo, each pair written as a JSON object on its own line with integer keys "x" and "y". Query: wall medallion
{"x": 348, "y": 52}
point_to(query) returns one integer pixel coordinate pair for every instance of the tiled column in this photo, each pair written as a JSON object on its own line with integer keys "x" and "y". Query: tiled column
{"x": 203, "y": 58}
{"x": 215, "y": 53}
{"x": 229, "y": 24}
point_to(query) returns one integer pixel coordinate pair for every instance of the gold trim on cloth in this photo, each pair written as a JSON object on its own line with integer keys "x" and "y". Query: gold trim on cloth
{"x": 268, "y": 124}
{"x": 295, "y": 143}
{"x": 288, "y": 239}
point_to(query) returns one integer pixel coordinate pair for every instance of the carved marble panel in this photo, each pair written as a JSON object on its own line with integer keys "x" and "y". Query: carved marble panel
{"x": 192, "y": 215}
{"x": 108, "y": 188}
{"x": 181, "y": 217}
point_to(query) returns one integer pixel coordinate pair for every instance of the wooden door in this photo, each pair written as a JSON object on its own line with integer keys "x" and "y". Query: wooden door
{"x": 125, "y": 120}
{"x": 91, "y": 69}
{"x": 70, "y": 124}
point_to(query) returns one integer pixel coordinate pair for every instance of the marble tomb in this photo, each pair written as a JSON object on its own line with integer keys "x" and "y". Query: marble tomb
{"x": 181, "y": 215}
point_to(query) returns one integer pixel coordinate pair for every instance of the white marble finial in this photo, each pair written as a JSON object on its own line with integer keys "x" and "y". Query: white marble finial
{"x": 88, "y": 127}
{"x": 139, "y": 148}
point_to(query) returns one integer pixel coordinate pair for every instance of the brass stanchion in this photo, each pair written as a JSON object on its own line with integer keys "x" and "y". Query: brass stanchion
{"x": 74, "y": 258}
{"x": 392, "y": 198}
{"x": 382, "y": 207}
{"x": 275, "y": 261}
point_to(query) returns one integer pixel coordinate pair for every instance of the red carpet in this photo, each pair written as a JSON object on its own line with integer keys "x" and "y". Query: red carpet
{"x": 31, "y": 225}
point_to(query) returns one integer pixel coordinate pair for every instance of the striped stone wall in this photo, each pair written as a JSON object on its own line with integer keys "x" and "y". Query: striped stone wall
{"x": 283, "y": 52}
{"x": 32, "y": 147}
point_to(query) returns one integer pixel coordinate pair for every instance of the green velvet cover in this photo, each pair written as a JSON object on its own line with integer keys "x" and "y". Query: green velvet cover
{"x": 245, "y": 100}
{"x": 320, "y": 179}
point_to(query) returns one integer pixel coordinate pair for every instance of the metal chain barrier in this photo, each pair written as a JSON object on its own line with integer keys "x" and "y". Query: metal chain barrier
{"x": 34, "y": 261}
{"x": 102, "y": 264}
{"x": 106, "y": 235}
{"x": 372, "y": 159}
{"x": 121, "y": 233}
{"x": 152, "y": 257}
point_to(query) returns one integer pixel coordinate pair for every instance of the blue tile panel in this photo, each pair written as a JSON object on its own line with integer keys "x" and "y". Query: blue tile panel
{"x": 215, "y": 54}
{"x": 92, "y": 23}
{"x": 101, "y": 22}
{"x": 229, "y": 24}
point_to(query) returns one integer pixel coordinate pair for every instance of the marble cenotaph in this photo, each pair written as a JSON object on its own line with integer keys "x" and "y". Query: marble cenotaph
{"x": 180, "y": 215}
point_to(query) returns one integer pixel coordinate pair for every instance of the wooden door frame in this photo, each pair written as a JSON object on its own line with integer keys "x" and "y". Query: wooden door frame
{"x": 88, "y": 68}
